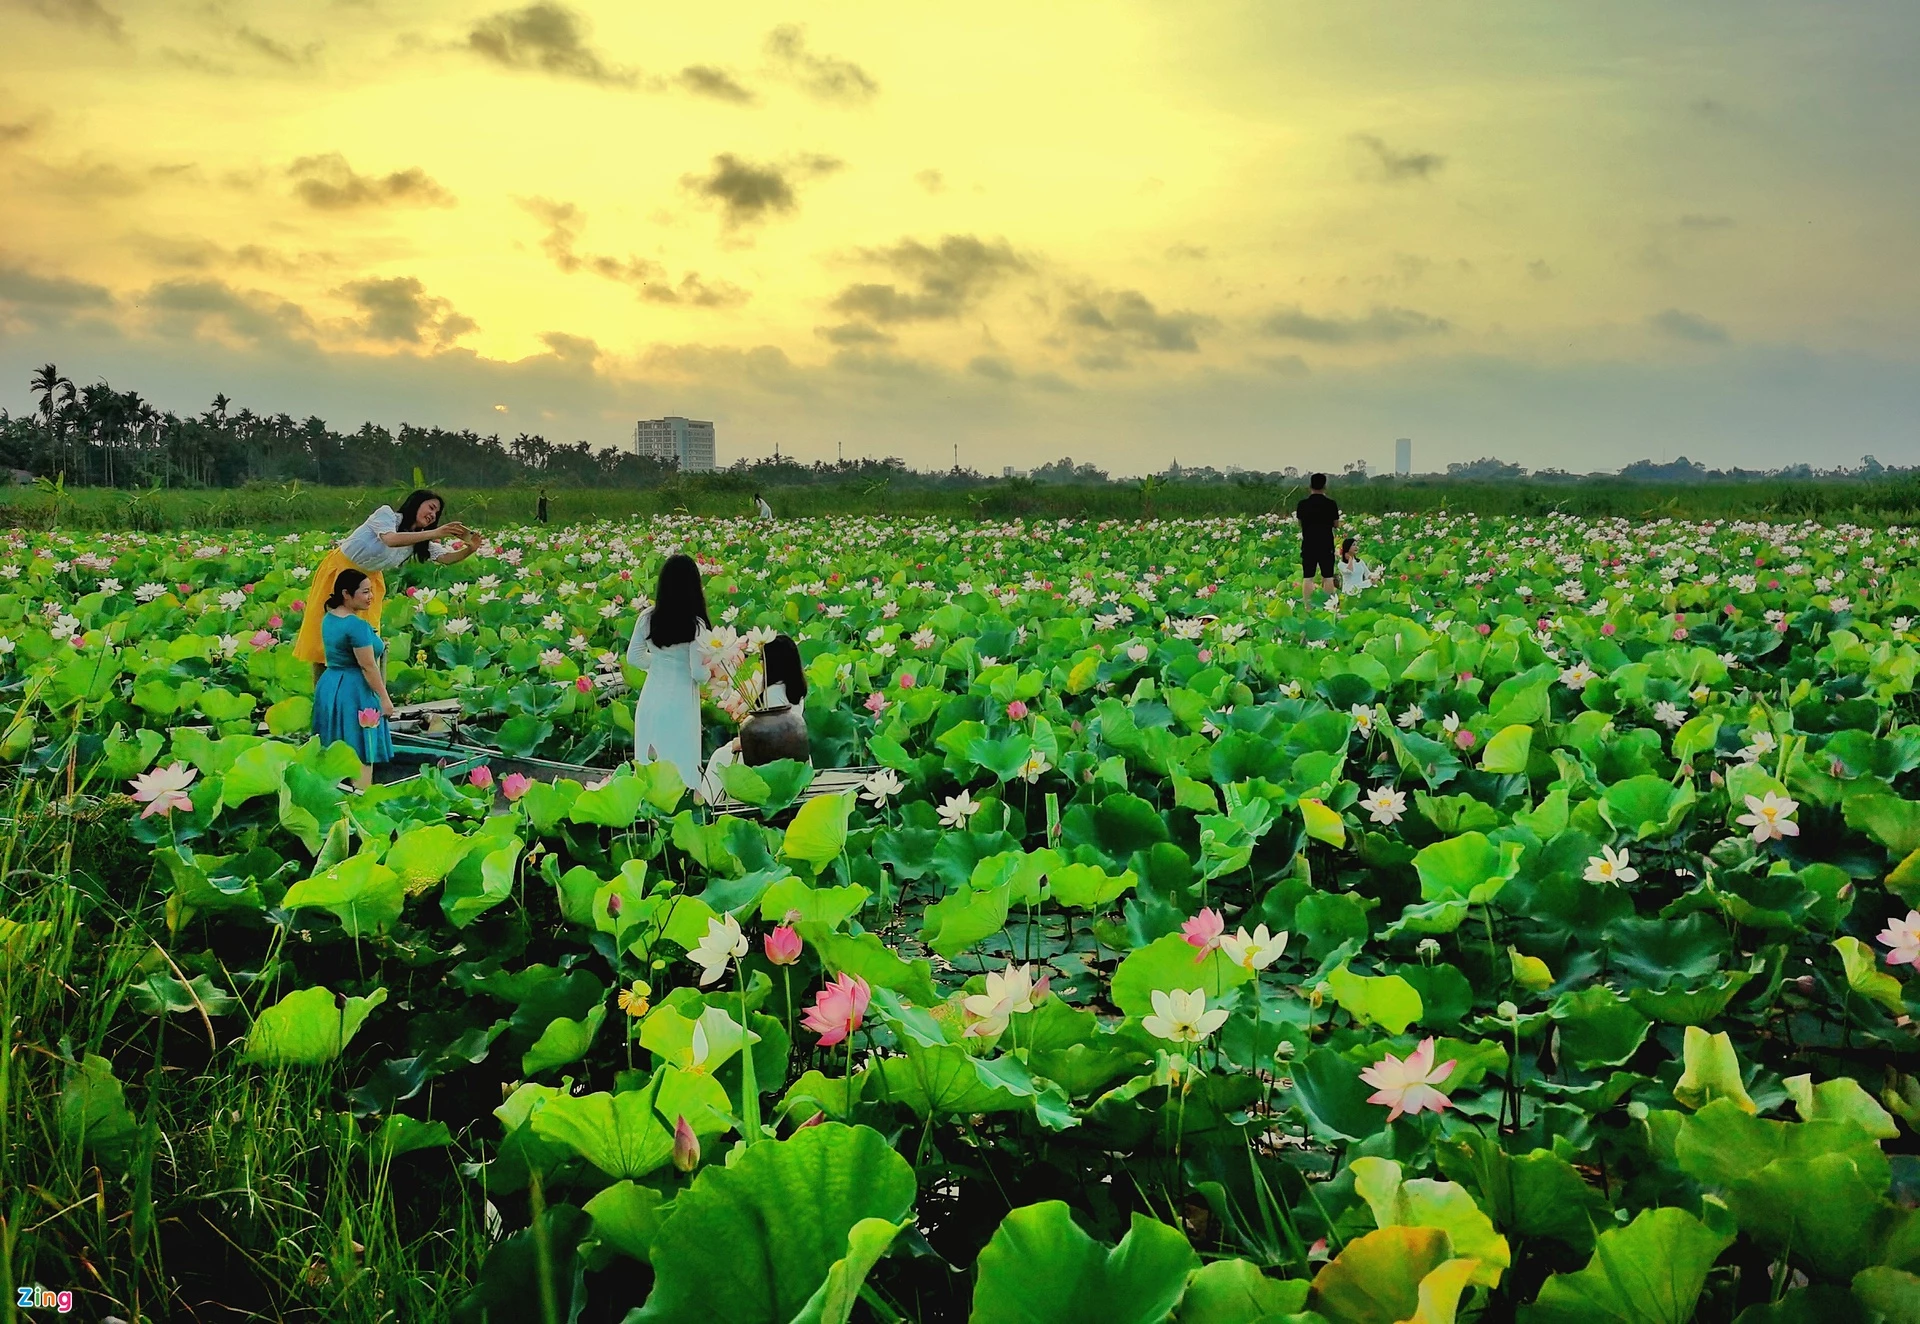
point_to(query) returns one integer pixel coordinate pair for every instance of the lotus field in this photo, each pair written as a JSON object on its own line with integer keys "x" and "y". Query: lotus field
{"x": 1520, "y": 937}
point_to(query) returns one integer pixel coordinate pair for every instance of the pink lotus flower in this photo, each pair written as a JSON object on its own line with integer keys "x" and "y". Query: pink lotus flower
{"x": 262, "y": 639}
{"x": 1484, "y": 628}
{"x": 165, "y": 789}
{"x": 1464, "y": 738}
{"x": 906, "y": 681}
{"x": 1679, "y": 632}
{"x": 185, "y": 589}
{"x": 412, "y": 590}
{"x": 275, "y": 621}
{"x": 782, "y": 945}
{"x": 686, "y": 1146}
{"x": 838, "y": 1009}
{"x": 1407, "y": 1085}
{"x": 1206, "y": 655}
{"x": 876, "y": 703}
{"x": 369, "y": 718}
{"x": 481, "y": 777}
{"x": 1607, "y": 628}
{"x": 1773, "y": 583}
{"x": 584, "y": 684}
{"x": 1903, "y": 935}
{"x": 1017, "y": 711}
{"x": 1203, "y": 931}
{"x": 297, "y": 605}
{"x": 514, "y": 785}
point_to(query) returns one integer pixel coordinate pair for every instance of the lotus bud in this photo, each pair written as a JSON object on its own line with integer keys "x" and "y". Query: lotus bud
{"x": 782, "y": 945}
{"x": 514, "y": 785}
{"x": 481, "y": 778}
{"x": 1506, "y": 1011}
{"x": 686, "y": 1146}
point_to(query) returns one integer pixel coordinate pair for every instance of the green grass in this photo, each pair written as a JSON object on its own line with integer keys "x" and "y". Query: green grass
{"x": 227, "y": 1184}
{"x": 298, "y": 506}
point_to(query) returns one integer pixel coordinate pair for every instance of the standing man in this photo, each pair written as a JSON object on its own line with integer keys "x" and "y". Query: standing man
{"x": 1318, "y": 516}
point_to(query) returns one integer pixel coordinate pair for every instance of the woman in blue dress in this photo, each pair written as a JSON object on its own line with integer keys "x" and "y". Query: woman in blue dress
{"x": 350, "y": 700}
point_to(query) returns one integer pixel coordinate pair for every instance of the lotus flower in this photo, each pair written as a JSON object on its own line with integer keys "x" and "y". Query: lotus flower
{"x": 724, "y": 944}
{"x": 1181, "y": 1016}
{"x": 838, "y": 1009}
{"x": 481, "y": 778}
{"x": 956, "y": 810}
{"x": 876, "y": 703}
{"x": 165, "y": 789}
{"x": 369, "y": 718}
{"x": 1903, "y": 935}
{"x": 262, "y": 639}
{"x": 1610, "y": 866}
{"x": 1771, "y": 817}
{"x": 686, "y": 1146}
{"x": 514, "y": 785}
{"x": 1204, "y": 930}
{"x": 1406, "y": 1085}
{"x": 782, "y": 945}
{"x": 1255, "y": 951}
{"x": 1009, "y": 992}
{"x": 1017, "y": 711}
{"x": 584, "y": 684}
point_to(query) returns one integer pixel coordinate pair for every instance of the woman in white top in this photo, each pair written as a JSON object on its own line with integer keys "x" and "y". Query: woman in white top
{"x": 387, "y": 540}
{"x": 1354, "y": 574}
{"x": 666, "y": 721}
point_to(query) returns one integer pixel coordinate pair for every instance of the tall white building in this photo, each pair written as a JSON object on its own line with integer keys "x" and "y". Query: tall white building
{"x": 1403, "y": 456}
{"x": 685, "y": 441}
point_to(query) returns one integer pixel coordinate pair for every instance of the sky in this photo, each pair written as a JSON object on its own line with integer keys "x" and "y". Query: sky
{"x": 1253, "y": 234}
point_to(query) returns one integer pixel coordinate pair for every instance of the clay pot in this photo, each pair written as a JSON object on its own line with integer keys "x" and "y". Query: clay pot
{"x": 779, "y": 732}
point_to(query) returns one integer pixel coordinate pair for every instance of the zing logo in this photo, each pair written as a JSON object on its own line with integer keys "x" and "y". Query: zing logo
{"x": 41, "y": 1298}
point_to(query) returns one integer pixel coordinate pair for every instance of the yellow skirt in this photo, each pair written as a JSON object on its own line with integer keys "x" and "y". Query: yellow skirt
{"x": 309, "y": 647}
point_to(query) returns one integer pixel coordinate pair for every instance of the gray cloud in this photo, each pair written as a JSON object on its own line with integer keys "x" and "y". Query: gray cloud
{"x": 546, "y": 38}
{"x": 400, "y": 311}
{"x": 1394, "y": 166}
{"x": 89, "y": 15}
{"x": 328, "y": 183}
{"x": 197, "y": 254}
{"x": 707, "y": 81}
{"x": 650, "y": 280}
{"x": 1381, "y": 325}
{"x": 944, "y": 279}
{"x": 853, "y": 333}
{"x": 573, "y": 349}
{"x": 193, "y": 306}
{"x": 1539, "y": 270}
{"x": 1688, "y": 326}
{"x": 992, "y": 367}
{"x": 931, "y": 180}
{"x": 1186, "y": 253}
{"x": 278, "y": 51}
{"x": 1129, "y": 317}
{"x": 748, "y": 191}
{"x": 20, "y": 286}
{"x": 824, "y": 77}
{"x": 19, "y": 130}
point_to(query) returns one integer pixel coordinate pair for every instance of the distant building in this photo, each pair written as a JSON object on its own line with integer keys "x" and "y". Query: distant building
{"x": 1403, "y": 456}
{"x": 1008, "y": 471}
{"x": 683, "y": 441}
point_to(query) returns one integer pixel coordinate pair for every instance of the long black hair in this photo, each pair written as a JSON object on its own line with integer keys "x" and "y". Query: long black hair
{"x": 781, "y": 659}
{"x": 1346, "y": 546}
{"x": 679, "y": 603}
{"x": 345, "y": 585}
{"x": 410, "y": 514}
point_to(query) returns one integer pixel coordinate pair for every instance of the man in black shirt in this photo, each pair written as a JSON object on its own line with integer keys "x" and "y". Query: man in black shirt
{"x": 1318, "y": 515}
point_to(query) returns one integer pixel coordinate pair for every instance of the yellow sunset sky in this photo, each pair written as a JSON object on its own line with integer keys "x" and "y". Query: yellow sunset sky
{"x": 1248, "y": 234}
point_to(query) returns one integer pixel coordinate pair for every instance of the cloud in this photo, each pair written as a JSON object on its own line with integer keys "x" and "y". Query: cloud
{"x": 1381, "y": 325}
{"x": 1128, "y": 317}
{"x": 823, "y": 77}
{"x": 400, "y": 311}
{"x": 89, "y": 15}
{"x": 992, "y": 367}
{"x": 328, "y": 183}
{"x": 278, "y": 52}
{"x": 945, "y": 279}
{"x": 931, "y": 180}
{"x": 546, "y": 38}
{"x": 87, "y": 180}
{"x": 19, "y": 130}
{"x": 1394, "y": 166}
{"x": 573, "y": 349}
{"x": 706, "y": 81}
{"x": 194, "y": 253}
{"x": 1539, "y": 270}
{"x": 1688, "y": 326}
{"x": 853, "y": 333}
{"x": 651, "y": 281}
{"x": 749, "y": 192}
{"x": 195, "y": 307}
{"x": 23, "y": 287}
{"x": 1186, "y": 253}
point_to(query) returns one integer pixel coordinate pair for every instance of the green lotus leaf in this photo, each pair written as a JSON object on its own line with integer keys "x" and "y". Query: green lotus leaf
{"x": 309, "y": 1027}
{"x": 1467, "y": 868}
{"x": 818, "y": 832}
{"x": 1649, "y": 1272}
{"x": 1170, "y": 963}
{"x": 364, "y": 894}
{"x": 1041, "y": 1268}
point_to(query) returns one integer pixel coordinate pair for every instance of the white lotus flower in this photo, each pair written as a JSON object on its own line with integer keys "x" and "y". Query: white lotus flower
{"x": 1181, "y": 1016}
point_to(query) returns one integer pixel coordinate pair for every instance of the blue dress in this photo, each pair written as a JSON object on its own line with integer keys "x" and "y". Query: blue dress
{"x": 342, "y": 691}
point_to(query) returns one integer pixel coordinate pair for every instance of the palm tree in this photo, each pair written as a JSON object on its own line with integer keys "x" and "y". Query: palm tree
{"x": 55, "y": 392}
